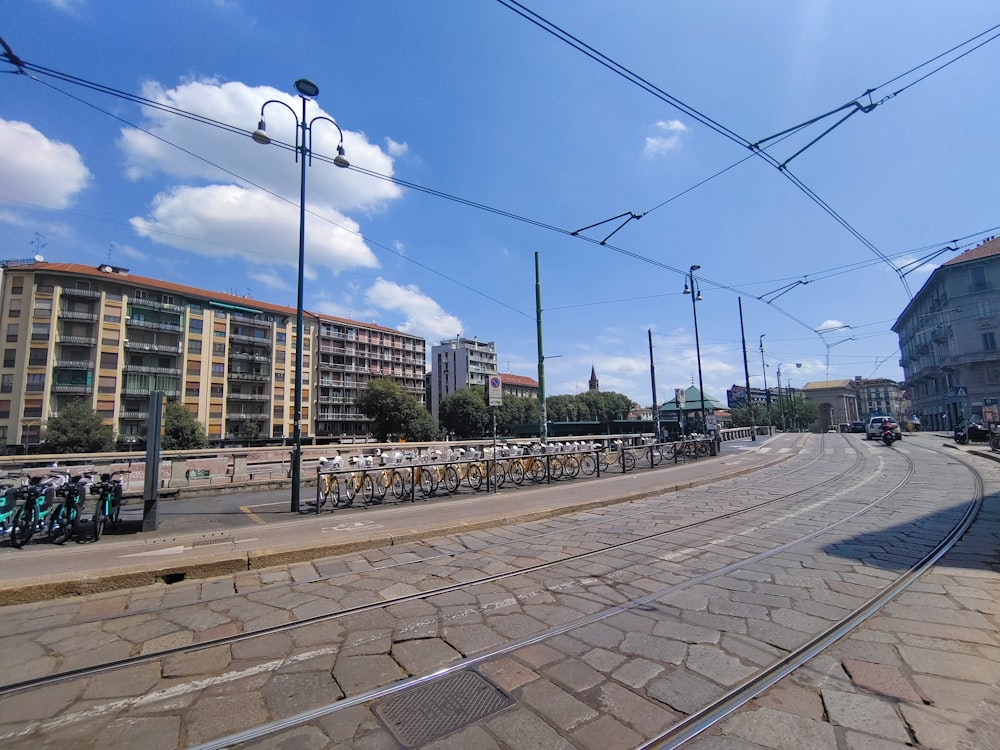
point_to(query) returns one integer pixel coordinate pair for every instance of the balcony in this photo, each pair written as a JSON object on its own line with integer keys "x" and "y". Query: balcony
{"x": 176, "y": 371}
{"x": 237, "y": 396}
{"x": 134, "y": 415}
{"x": 136, "y": 390}
{"x": 242, "y": 415}
{"x": 253, "y": 377}
{"x": 79, "y": 340}
{"x": 74, "y": 364}
{"x": 75, "y": 315}
{"x": 256, "y": 340}
{"x": 69, "y": 388}
{"x": 68, "y": 291}
{"x": 153, "y": 325}
{"x": 250, "y": 357}
{"x": 141, "y": 346}
{"x": 151, "y": 305}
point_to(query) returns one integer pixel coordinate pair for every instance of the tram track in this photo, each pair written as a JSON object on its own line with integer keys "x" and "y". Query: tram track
{"x": 604, "y": 613}
{"x": 618, "y": 520}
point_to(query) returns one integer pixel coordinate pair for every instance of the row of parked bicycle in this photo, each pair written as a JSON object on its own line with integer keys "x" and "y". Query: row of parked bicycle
{"x": 403, "y": 473}
{"x": 53, "y": 504}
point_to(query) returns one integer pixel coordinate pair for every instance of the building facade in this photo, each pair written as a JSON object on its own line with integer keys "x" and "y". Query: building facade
{"x": 518, "y": 385}
{"x": 948, "y": 336}
{"x": 881, "y": 397}
{"x": 457, "y": 364}
{"x": 837, "y": 401}
{"x": 110, "y": 338}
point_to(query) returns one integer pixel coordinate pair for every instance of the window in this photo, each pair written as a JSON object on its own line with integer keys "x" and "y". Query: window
{"x": 9, "y": 357}
{"x": 279, "y": 358}
{"x": 194, "y": 347}
{"x": 15, "y": 308}
{"x": 107, "y": 384}
{"x": 280, "y": 337}
{"x": 12, "y": 331}
{"x": 112, "y": 318}
{"x": 989, "y": 341}
{"x": 16, "y": 284}
{"x": 37, "y": 357}
{"x": 218, "y": 370}
{"x": 36, "y": 383}
{"x": 194, "y": 367}
{"x": 40, "y": 331}
{"x": 167, "y": 299}
{"x": 109, "y": 341}
{"x": 196, "y": 325}
{"x": 279, "y": 412}
{"x": 978, "y": 274}
{"x": 191, "y": 390}
{"x": 217, "y": 391}
{"x": 5, "y": 409}
{"x": 218, "y": 350}
{"x": 43, "y": 308}
{"x": 6, "y": 384}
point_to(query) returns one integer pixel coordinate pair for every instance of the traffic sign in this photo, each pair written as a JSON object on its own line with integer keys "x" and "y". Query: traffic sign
{"x": 494, "y": 391}
{"x": 961, "y": 390}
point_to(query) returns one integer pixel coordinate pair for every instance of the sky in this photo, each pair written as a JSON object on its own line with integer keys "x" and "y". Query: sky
{"x": 478, "y": 138}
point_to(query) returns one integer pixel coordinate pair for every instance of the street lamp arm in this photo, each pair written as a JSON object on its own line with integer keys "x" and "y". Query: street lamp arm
{"x": 260, "y": 134}
{"x": 339, "y": 160}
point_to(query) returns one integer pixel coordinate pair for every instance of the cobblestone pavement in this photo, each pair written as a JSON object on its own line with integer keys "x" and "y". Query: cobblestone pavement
{"x": 577, "y": 678}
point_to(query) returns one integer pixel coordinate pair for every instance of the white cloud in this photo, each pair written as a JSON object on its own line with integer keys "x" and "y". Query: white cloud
{"x": 828, "y": 326}
{"x": 660, "y": 145}
{"x": 423, "y": 316}
{"x": 271, "y": 280}
{"x": 35, "y": 169}
{"x": 231, "y": 221}
{"x": 924, "y": 269}
{"x": 395, "y": 148}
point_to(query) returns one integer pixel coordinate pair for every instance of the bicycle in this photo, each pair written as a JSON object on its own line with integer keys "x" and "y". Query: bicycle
{"x": 66, "y": 517}
{"x": 8, "y": 503}
{"x": 109, "y": 502}
{"x": 36, "y": 502}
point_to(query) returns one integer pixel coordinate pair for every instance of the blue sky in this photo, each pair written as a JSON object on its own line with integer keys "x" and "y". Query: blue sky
{"x": 535, "y": 140}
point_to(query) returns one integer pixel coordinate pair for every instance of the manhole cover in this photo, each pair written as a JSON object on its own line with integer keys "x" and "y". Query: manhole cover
{"x": 438, "y": 708}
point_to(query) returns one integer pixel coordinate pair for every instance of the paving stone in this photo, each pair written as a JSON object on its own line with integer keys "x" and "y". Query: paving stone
{"x": 266, "y": 647}
{"x": 538, "y": 655}
{"x": 574, "y": 675}
{"x": 471, "y": 639}
{"x": 779, "y": 730}
{"x": 356, "y": 674}
{"x": 287, "y": 694}
{"x": 721, "y": 606}
{"x": 645, "y": 716}
{"x": 506, "y": 673}
{"x": 211, "y": 717}
{"x": 863, "y": 712}
{"x": 682, "y": 631}
{"x": 603, "y": 660}
{"x": 40, "y": 703}
{"x": 956, "y": 695}
{"x": 366, "y": 642}
{"x": 935, "y": 728}
{"x": 858, "y": 741}
{"x": 706, "y": 741}
{"x": 823, "y": 671}
{"x": 177, "y": 639}
{"x": 556, "y": 705}
{"x": 606, "y": 733}
{"x": 784, "y": 638}
{"x": 521, "y": 728}
{"x": 135, "y": 680}
{"x": 637, "y": 672}
{"x": 876, "y": 653}
{"x": 791, "y": 698}
{"x": 149, "y": 733}
{"x": 658, "y": 649}
{"x": 950, "y": 616}
{"x": 424, "y": 656}
{"x": 958, "y": 666}
{"x": 301, "y": 738}
{"x": 208, "y": 661}
{"x": 683, "y": 691}
{"x": 882, "y": 679}
{"x": 936, "y": 630}
{"x": 715, "y": 664}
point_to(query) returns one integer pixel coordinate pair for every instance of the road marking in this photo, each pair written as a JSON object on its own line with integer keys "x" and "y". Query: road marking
{"x": 253, "y": 516}
{"x": 155, "y": 552}
{"x": 353, "y": 526}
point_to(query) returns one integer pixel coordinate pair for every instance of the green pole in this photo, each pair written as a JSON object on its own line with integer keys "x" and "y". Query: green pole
{"x": 543, "y": 426}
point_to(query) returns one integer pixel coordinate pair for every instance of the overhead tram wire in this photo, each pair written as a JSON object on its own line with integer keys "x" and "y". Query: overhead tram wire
{"x": 629, "y": 75}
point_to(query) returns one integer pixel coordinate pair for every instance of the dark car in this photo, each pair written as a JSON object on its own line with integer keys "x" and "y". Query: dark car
{"x": 857, "y": 426}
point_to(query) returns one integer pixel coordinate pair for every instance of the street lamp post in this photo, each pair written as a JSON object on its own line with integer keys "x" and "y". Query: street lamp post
{"x": 307, "y": 91}
{"x": 767, "y": 393}
{"x": 781, "y": 399}
{"x": 695, "y": 298}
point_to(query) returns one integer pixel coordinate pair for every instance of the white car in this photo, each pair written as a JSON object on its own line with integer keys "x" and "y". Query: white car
{"x": 874, "y": 429}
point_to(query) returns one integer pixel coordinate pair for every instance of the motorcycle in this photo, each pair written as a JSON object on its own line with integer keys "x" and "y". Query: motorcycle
{"x": 888, "y": 436}
{"x": 972, "y": 432}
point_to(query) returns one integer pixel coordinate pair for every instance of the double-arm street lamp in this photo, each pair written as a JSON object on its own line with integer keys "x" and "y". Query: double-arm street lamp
{"x": 695, "y": 293}
{"x": 781, "y": 400}
{"x": 307, "y": 90}
{"x": 767, "y": 393}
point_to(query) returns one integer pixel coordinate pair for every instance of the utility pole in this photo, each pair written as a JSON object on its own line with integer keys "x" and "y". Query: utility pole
{"x": 746, "y": 374}
{"x": 543, "y": 422}
{"x": 652, "y": 380}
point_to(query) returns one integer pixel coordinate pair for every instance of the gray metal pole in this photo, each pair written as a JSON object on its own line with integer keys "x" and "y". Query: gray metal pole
{"x": 746, "y": 374}
{"x": 543, "y": 426}
{"x": 154, "y": 436}
{"x": 652, "y": 380}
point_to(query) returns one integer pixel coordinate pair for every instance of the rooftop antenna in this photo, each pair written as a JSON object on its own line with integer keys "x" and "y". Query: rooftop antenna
{"x": 38, "y": 243}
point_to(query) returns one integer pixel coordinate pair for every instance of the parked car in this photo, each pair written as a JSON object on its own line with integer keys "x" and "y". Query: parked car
{"x": 874, "y": 429}
{"x": 857, "y": 426}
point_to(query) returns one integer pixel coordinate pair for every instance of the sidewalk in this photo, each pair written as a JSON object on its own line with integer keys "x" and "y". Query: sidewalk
{"x": 237, "y": 533}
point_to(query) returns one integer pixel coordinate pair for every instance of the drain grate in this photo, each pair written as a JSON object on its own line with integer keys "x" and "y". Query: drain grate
{"x": 212, "y": 540}
{"x": 438, "y": 708}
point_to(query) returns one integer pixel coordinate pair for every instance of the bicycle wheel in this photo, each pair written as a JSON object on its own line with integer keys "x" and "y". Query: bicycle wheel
{"x": 22, "y": 526}
{"x": 334, "y": 493}
{"x": 451, "y": 479}
{"x": 351, "y": 486}
{"x": 499, "y": 476}
{"x": 100, "y": 517}
{"x": 475, "y": 477}
{"x": 587, "y": 464}
{"x": 381, "y": 485}
{"x": 628, "y": 461}
{"x": 654, "y": 455}
{"x": 516, "y": 472}
{"x": 63, "y": 523}
{"x": 427, "y": 484}
{"x": 701, "y": 448}
{"x": 536, "y": 470}
{"x": 669, "y": 451}
{"x": 367, "y": 489}
{"x": 602, "y": 460}
{"x": 401, "y": 484}
{"x": 571, "y": 466}
{"x": 556, "y": 468}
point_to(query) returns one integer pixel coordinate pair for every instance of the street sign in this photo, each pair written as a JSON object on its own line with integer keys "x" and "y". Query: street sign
{"x": 679, "y": 396}
{"x": 494, "y": 391}
{"x": 961, "y": 390}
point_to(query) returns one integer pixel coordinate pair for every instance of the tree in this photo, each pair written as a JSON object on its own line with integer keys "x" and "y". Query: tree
{"x": 393, "y": 411}
{"x": 514, "y": 411}
{"x": 465, "y": 413}
{"x": 180, "y": 428}
{"x": 803, "y": 413}
{"x": 77, "y": 429}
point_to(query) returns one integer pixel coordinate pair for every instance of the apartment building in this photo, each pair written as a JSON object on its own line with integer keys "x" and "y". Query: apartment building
{"x": 880, "y": 397}
{"x": 518, "y": 385}
{"x": 101, "y": 334}
{"x": 460, "y": 363}
{"x": 949, "y": 338}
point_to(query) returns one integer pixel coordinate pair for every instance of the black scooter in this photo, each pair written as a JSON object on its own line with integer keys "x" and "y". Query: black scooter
{"x": 888, "y": 436}
{"x": 972, "y": 432}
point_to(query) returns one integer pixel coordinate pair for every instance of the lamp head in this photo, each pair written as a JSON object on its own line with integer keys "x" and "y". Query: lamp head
{"x": 307, "y": 88}
{"x": 695, "y": 268}
{"x": 340, "y": 159}
{"x": 698, "y": 298}
{"x": 687, "y": 289}
{"x": 260, "y": 134}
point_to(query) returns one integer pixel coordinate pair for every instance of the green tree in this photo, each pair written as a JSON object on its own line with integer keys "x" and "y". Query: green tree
{"x": 516, "y": 410}
{"x": 803, "y": 413}
{"x": 465, "y": 413}
{"x": 394, "y": 411}
{"x": 77, "y": 429}
{"x": 180, "y": 428}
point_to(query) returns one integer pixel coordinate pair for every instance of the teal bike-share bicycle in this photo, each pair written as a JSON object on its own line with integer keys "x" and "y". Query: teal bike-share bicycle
{"x": 109, "y": 501}
{"x": 35, "y": 502}
{"x": 8, "y": 504}
{"x": 66, "y": 518}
